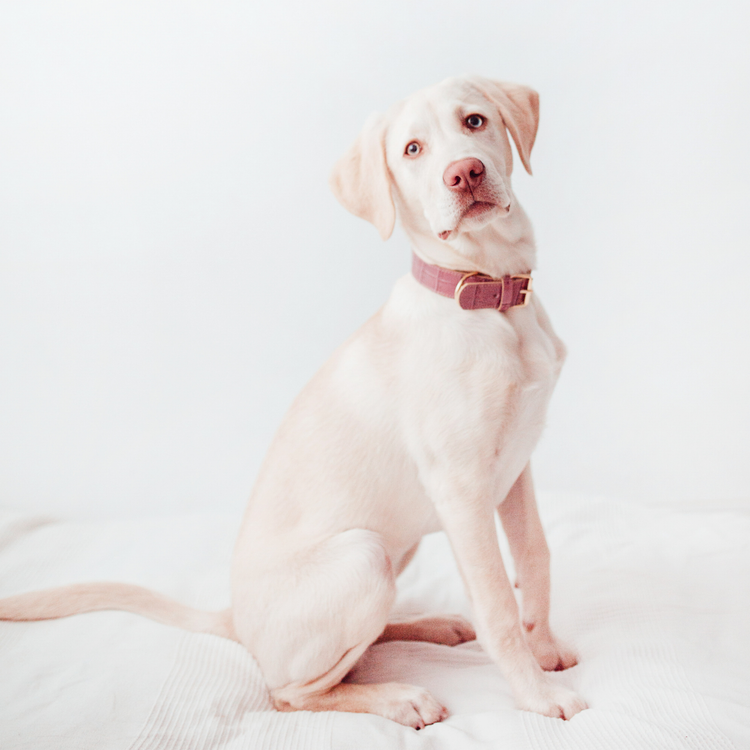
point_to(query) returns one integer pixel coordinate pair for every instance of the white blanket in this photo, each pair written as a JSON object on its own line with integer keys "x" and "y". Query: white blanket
{"x": 657, "y": 601}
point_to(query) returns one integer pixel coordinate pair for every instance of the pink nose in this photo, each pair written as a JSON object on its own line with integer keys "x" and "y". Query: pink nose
{"x": 464, "y": 175}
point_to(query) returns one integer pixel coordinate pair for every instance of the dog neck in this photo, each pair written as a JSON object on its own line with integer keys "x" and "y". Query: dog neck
{"x": 503, "y": 247}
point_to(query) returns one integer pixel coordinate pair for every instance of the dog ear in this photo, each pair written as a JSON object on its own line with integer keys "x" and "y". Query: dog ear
{"x": 519, "y": 107}
{"x": 361, "y": 182}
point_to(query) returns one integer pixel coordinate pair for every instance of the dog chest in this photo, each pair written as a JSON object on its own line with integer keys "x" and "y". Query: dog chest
{"x": 478, "y": 385}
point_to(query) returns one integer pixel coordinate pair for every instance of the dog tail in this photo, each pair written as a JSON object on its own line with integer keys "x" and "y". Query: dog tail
{"x": 49, "y": 604}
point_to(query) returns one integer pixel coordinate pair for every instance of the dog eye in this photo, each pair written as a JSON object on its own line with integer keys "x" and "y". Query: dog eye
{"x": 474, "y": 121}
{"x": 412, "y": 149}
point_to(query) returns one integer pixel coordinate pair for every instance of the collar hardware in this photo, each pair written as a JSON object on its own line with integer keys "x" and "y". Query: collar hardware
{"x": 473, "y": 290}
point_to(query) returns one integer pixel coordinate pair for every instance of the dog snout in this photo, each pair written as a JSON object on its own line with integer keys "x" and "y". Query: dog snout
{"x": 464, "y": 175}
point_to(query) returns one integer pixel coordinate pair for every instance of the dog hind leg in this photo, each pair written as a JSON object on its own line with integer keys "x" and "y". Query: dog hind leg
{"x": 447, "y": 630}
{"x": 321, "y": 611}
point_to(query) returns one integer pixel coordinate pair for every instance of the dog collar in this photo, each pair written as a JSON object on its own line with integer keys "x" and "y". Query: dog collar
{"x": 474, "y": 290}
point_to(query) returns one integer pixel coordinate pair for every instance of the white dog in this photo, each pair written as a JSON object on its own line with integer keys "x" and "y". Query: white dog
{"x": 425, "y": 419}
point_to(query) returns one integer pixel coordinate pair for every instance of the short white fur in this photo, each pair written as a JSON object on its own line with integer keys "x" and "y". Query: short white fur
{"x": 425, "y": 419}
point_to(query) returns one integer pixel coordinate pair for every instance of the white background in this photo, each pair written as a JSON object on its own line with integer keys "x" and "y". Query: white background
{"x": 173, "y": 267}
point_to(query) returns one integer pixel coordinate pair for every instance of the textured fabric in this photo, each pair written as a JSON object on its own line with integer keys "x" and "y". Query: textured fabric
{"x": 657, "y": 602}
{"x": 473, "y": 291}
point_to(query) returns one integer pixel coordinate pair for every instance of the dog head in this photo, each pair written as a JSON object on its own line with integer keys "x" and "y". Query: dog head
{"x": 442, "y": 157}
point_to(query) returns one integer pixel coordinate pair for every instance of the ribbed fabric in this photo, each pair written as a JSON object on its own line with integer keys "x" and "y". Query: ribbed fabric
{"x": 668, "y": 714}
{"x": 215, "y": 697}
{"x": 657, "y": 602}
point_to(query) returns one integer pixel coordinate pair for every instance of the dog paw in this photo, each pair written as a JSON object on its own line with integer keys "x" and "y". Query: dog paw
{"x": 448, "y": 630}
{"x": 411, "y": 706}
{"x": 550, "y": 654}
{"x": 553, "y": 700}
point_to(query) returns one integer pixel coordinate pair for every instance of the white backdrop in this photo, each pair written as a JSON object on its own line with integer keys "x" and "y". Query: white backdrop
{"x": 173, "y": 267}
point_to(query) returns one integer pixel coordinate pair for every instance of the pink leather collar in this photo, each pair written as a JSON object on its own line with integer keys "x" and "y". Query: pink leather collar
{"x": 473, "y": 290}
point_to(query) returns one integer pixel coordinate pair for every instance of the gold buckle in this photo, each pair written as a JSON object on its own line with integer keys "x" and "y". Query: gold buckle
{"x": 462, "y": 282}
{"x": 526, "y": 292}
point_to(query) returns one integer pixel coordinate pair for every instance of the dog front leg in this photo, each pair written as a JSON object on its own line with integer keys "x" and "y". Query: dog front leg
{"x": 470, "y": 528}
{"x": 523, "y": 527}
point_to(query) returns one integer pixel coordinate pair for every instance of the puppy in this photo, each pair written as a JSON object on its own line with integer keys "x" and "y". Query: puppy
{"x": 424, "y": 420}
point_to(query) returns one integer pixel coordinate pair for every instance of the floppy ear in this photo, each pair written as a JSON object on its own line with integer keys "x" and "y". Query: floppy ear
{"x": 519, "y": 107}
{"x": 361, "y": 182}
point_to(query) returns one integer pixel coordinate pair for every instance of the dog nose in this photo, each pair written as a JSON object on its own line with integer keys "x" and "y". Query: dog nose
{"x": 464, "y": 175}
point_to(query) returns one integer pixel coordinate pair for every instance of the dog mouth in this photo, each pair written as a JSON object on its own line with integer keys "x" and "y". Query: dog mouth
{"x": 475, "y": 210}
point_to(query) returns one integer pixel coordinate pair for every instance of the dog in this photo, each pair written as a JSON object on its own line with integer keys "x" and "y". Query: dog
{"x": 424, "y": 420}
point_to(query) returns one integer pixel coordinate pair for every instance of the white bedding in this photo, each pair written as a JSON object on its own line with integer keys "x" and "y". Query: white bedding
{"x": 656, "y": 600}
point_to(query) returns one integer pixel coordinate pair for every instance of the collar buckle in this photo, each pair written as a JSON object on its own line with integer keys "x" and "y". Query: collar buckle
{"x": 462, "y": 282}
{"x": 527, "y": 291}
{"x": 474, "y": 290}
